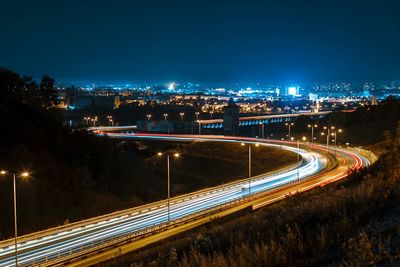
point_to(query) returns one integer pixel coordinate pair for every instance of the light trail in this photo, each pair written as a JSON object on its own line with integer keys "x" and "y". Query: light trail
{"x": 53, "y": 243}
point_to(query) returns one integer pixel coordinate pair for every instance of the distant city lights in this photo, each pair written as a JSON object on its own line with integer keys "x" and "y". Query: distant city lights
{"x": 171, "y": 86}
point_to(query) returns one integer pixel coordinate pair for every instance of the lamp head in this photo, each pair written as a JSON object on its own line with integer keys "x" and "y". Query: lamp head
{"x": 25, "y": 174}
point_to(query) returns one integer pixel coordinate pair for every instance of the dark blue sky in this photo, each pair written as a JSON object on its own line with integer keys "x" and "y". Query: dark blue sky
{"x": 204, "y": 41}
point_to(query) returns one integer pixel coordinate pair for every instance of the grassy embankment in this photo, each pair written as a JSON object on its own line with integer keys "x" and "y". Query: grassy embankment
{"x": 205, "y": 164}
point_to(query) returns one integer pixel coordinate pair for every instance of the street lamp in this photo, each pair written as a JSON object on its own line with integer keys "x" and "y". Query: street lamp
{"x": 197, "y": 115}
{"x": 14, "y": 175}
{"x": 328, "y": 134}
{"x": 175, "y": 155}
{"x": 94, "y": 121}
{"x": 165, "y": 116}
{"x": 110, "y": 121}
{"x": 211, "y": 114}
{"x": 148, "y": 116}
{"x": 312, "y": 126}
{"x": 249, "y": 179}
{"x": 182, "y": 114}
{"x": 289, "y": 124}
{"x": 334, "y": 134}
{"x": 86, "y": 119}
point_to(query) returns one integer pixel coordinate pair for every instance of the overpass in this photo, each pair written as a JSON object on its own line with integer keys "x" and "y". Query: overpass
{"x": 264, "y": 119}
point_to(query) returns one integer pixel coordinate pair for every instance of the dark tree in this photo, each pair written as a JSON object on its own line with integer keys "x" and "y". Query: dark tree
{"x": 11, "y": 86}
{"x": 48, "y": 92}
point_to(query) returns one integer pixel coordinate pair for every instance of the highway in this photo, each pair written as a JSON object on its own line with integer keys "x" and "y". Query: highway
{"x": 74, "y": 239}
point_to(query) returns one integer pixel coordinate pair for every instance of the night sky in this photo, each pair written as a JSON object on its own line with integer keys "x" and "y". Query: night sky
{"x": 207, "y": 41}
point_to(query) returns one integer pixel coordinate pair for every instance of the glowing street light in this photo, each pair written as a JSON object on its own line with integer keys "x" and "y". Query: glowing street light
{"x": 197, "y": 115}
{"x": 211, "y": 114}
{"x": 110, "y": 121}
{"x": 182, "y": 114}
{"x": 312, "y": 126}
{"x": 86, "y": 119}
{"x": 334, "y": 134}
{"x": 14, "y": 175}
{"x": 175, "y": 155}
{"x": 165, "y": 116}
{"x": 289, "y": 124}
{"x": 148, "y": 116}
{"x": 328, "y": 134}
{"x": 94, "y": 120}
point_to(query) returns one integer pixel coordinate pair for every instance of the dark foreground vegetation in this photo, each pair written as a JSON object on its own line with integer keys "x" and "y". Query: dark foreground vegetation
{"x": 76, "y": 175}
{"x": 355, "y": 222}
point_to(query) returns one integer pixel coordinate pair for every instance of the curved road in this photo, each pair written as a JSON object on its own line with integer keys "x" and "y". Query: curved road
{"x": 75, "y": 239}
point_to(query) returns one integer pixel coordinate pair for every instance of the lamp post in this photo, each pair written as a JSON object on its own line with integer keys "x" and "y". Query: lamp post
{"x": 110, "y": 121}
{"x": 328, "y": 134}
{"x": 148, "y": 116}
{"x": 86, "y": 119}
{"x": 94, "y": 121}
{"x": 312, "y": 126}
{"x": 334, "y": 134}
{"x": 165, "y": 116}
{"x": 182, "y": 114}
{"x": 197, "y": 115}
{"x": 211, "y": 114}
{"x": 249, "y": 162}
{"x": 14, "y": 175}
{"x": 176, "y": 155}
{"x": 289, "y": 124}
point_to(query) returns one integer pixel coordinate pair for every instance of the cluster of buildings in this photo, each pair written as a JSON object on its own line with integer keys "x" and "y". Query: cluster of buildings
{"x": 212, "y": 100}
